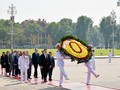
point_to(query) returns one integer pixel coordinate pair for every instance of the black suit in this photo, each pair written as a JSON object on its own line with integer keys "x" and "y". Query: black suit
{"x": 51, "y": 68}
{"x": 45, "y": 63}
{"x": 35, "y": 59}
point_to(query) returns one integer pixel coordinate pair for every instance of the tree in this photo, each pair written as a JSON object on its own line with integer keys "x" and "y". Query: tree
{"x": 32, "y": 30}
{"x": 82, "y": 26}
{"x": 60, "y": 29}
{"x": 52, "y": 29}
{"x": 106, "y": 30}
{"x": 67, "y": 26}
{"x": 4, "y": 31}
{"x": 94, "y": 37}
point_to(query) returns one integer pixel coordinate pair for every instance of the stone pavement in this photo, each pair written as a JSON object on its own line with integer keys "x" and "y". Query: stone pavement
{"x": 109, "y": 78}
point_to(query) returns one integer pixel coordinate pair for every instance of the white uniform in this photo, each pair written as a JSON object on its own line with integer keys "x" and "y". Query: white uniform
{"x": 23, "y": 63}
{"x": 60, "y": 63}
{"x": 110, "y": 56}
{"x": 91, "y": 69}
{"x": 93, "y": 61}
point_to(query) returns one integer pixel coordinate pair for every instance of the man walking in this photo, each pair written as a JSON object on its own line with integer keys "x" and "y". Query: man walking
{"x": 45, "y": 64}
{"x": 51, "y": 66}
{"x": 35, "y": 58}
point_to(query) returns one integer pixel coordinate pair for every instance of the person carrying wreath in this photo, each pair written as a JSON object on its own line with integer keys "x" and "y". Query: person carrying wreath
{"x": 60, "y": 61}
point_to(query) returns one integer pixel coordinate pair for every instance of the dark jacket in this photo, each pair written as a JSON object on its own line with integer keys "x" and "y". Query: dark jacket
{"x": 16, "y": 60}
{"x": 3, "y": 60}
{"x": 35, "y": 58}
{"x": 52, "y": 60}
{"x": 44, "y": 62}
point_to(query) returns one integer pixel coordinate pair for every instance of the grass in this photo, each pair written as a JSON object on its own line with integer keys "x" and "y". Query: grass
{"x": 98, "y": 52}
{"x": 104, "y": 52}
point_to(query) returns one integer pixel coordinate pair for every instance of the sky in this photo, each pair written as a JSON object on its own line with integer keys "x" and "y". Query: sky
{"x": 54, "y": 10}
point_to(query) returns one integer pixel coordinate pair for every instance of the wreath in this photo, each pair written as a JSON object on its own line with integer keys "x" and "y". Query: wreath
{"x": 76, "y": 49}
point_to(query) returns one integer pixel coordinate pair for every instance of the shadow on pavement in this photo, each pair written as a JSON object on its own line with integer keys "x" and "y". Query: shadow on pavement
{"x": 54, "y": 88}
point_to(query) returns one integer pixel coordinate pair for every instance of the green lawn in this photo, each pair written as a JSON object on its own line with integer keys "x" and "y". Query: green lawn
{"x": 104, "y": 52}
{"x": 98, "y": 52}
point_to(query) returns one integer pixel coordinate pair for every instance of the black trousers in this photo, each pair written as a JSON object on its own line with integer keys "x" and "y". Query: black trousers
{"x": 35, "y": 72}
{"x": 13, "y": 69}
{"x": 16, "y": 70}
{"x": 50, "y": 73}
{"x": 7, "y": 68}
{"x": 45, "y": 72}
{"x": 41, "y": 69}
{"x": 29, "y": 70}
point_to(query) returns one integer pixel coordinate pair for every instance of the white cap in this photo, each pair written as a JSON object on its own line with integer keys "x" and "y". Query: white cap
{"x": 90, "y": 45}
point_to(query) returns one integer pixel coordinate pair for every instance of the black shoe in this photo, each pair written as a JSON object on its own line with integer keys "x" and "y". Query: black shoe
{"x": 29, "y": 78}
{"x": 13, "y": 75}
{"x": 50, "y": 79}
{"x": 35, "y": 77}
{"x": 45, "y": 81}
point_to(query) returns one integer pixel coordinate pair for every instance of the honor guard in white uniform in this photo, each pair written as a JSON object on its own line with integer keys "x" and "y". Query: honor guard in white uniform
{"x": 91, "y": 68}
{"x": 93, "y": 59}
{"x": 60, "y": 62}
{"x": 109, "y": 56}
{"x": 23, "y": 64}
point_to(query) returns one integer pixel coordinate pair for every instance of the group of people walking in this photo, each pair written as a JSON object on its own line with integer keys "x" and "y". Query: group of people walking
{"x": 19, "y": 64}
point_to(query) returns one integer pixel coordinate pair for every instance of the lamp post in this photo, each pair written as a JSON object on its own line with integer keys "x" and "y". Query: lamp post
{"x": 118, "y": 4}
{"x": 12, "y": 11}
{"x": 113, "y": 21}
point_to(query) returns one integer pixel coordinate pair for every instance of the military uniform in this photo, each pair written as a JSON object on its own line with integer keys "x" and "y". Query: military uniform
{"x": 60, "y": 63}
{"x": 91, "y": 69}
{"x": 23, "y": 66}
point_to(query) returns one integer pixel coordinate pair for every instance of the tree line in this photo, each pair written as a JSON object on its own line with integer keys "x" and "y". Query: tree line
{"x": 42, "y": 33}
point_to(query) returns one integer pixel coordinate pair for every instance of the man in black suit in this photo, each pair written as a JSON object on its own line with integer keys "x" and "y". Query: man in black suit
{"x": 51, "y": 66}
{"x": 45, "y": 64}
{"x": 35, "y": 59}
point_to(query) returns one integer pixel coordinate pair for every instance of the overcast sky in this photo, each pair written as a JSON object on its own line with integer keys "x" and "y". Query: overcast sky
{"x": 54, "y": 10}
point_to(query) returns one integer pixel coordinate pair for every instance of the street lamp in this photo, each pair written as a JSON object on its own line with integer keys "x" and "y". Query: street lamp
{"x": 12, "y": 11}
{"x": 113, "y": 21}
{"x": 118, "y": 4}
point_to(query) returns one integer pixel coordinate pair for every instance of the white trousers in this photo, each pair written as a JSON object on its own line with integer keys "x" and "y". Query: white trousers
{"x": 62, "y": 71}
{"x": 90, "y": 70}
{"x": 23, "y": 74}
{"x": 109, "y": 59}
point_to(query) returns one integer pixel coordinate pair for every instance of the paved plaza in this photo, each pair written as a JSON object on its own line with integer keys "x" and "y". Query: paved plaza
{"x": 109, "y": 78}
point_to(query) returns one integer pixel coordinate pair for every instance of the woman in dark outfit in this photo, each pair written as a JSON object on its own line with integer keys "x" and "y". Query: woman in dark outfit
{"x": 7, "y": 63}
{"x": 3, "y": 66}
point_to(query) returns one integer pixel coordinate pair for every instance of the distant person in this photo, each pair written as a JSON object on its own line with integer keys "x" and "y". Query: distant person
{"x": 11, "y": 62}
{"x": 16, "y": 57}
{"x": 3, "y": 64}
{"x": 35, "y": 60}
{"x": 51, "y": 66}
{"x": 7, "y": 63}
{"x": 30, "y": 65}
{"x": 60, "y": 61}
{"x": 109, "y": 56}
{"x": 40, "y": 60}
